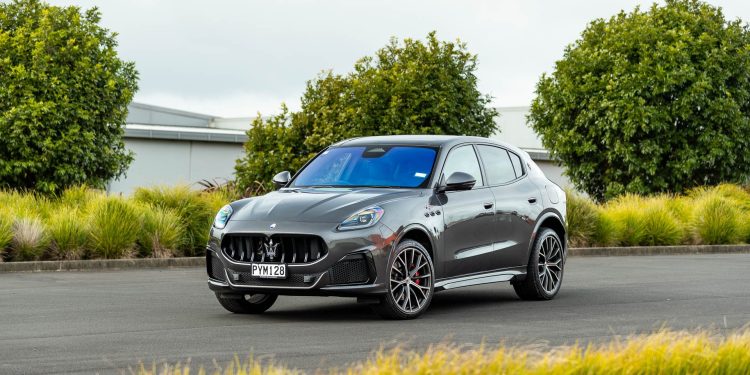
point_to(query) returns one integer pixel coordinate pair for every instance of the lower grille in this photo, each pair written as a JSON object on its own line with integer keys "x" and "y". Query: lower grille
{"x": 294, "y": 280}
{"x": 214, "y": 267}
{"x": 279, "y": 248}
{"x": 351, "y": 270}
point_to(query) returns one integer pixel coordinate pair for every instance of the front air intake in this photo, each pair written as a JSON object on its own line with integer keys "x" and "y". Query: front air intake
{"x": 279, "y": 248}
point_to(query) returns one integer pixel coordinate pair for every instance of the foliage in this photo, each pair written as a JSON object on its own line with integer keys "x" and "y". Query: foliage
{"x": 413, "y": 87}
{"x": 115, "y": 226}
{"x": 194, "y": 210}
{"x": 717, "y": 220}
{"x": 650, "y": 101}
{"x": 662, "y": 352}
{"x": 63, "y": 98}
{"x": 69, "y": 232}
{"x": 582, "y": 219}
{"x": 30, "y": 239}
{"x": 162, "y": 233}
{"x": 6, "y": 232}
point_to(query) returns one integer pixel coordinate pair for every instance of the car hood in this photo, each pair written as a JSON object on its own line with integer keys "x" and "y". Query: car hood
{"x": 316, "y": 205}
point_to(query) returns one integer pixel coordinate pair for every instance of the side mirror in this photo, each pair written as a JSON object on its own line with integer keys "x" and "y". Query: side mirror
{"x": 281, "y": 179}
{"x": 458, "y": 181}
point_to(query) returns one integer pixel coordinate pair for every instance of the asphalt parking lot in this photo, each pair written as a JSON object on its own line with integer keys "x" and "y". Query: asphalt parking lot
{"x": 88, "y": 322}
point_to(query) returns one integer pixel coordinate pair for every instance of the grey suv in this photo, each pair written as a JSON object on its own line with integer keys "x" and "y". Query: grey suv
{"x": 391, "y": 220}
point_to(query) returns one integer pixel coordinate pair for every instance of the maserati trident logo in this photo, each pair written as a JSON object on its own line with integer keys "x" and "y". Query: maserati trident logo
{"x": 269, "y": 247}
{"x": 272, "y": 226}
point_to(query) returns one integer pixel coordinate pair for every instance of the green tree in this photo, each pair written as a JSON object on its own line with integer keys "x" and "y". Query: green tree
{"x": 413, "y": 87}
{"x": 655, "y": 101}
{"x": 63, "y": 98}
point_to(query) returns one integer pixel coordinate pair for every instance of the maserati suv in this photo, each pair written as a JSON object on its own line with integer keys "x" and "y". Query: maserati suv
{"x": 391, "y": 220}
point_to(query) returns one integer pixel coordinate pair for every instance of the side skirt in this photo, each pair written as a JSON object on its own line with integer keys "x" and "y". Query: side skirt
{"x": 479, "y": 279}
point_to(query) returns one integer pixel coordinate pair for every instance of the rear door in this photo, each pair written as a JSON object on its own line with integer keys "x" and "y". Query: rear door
{"x": 517, "y": 204}
{"x": 468, "y": 217}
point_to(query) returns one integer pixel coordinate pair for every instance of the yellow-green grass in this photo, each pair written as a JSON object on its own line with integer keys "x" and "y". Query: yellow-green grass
{"x": 162, "y": 233}
{"x": 69, "y": 231}
{"x": 115, "y": 225}
{"x": 663, "y": 352}
{"x": 583, "y": 216}
{"x": 717, "y": 220}
{"x": 30, "y": 239}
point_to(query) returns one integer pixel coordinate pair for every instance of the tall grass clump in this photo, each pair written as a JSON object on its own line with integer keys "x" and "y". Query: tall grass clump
{"x": 717, "y": 220}
{"x": 659, "y": 353}
{"x": 660, "y": 226}
{"x": 162, "y": 233}
{"x": 30, "y": 239}
{"x": 115, "y": 225}
{"x": 69, "y": 232}
{"x": 582, "y": 216}
{"x": 626, "y": 212}
{"x": 79, "y": 196}
{"x": 194, "y": 211}
{"x": 6, "y": 232}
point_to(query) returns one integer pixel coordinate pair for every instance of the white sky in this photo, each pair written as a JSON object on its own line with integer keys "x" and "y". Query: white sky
{"x": 235, "y": 58}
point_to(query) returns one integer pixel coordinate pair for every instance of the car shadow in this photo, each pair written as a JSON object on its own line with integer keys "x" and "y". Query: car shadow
{"x": 347, "y": 309}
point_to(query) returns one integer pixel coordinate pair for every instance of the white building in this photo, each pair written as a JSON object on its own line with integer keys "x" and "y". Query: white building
{"x": 173, "y": 146}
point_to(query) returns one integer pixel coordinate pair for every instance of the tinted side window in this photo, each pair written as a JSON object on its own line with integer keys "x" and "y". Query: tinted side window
{"x": 463, "y": 159}
{"x": 497, "y": 164}
{"x": 517, "y": 165}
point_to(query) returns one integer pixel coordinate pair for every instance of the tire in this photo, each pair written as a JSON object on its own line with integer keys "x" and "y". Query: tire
{"x": 410, "y": 270}
{"x": 542, "y": 281}
{"x": 246, "y": 303}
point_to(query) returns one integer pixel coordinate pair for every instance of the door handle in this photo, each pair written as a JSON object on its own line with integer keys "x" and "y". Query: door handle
{"x": 532, "y": 200}
{"x": 488, "y": 205}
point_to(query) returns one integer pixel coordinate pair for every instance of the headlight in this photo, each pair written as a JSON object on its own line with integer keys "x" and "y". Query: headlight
{"x": 362, "y": 219}
{"x": 220, "y": 221}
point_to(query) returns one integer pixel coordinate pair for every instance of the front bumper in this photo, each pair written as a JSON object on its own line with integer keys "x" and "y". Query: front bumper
{"x": 361, "y": 251}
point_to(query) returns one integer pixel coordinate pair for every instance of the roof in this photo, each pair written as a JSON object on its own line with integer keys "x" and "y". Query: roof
{"x": 420, "y": 140}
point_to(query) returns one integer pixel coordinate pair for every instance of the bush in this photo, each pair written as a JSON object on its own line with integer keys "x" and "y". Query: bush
{"x": 69, "y": 233}
{"x": 64, "y": 98}
{"x": 717, "y": 220}
{"x": 30, "y": 239}
{"x": 193, "y": 208}
{"x": 627, "y": 212}
{"x": 162, "y": 233}
{"x": 607, "y": 231}
{"x": 660, "y": 226}
{"x": 583, "y": 217}
{"x": 408, "y": 87}
{"x": 115, "y": 226}
{"x": 650, "y": 101}
{"x": 6, "y": 232}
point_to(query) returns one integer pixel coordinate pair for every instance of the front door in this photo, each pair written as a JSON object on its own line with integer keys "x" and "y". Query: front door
{"x": 468, "y": 218}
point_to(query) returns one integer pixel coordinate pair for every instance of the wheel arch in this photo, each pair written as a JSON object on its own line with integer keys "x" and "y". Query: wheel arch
{"x": 420, "y": 234}
{"x": 552, "y": 220}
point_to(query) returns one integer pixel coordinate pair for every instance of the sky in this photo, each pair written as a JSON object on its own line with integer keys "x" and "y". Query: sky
{"x": 237, "y": 58}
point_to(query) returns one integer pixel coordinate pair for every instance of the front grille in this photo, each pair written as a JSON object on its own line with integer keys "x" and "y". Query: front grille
{"x": 279, "y": 248}
{"x": 351, "y": 270}
{"x": 294, "y": 280}
{"x": 214, "y": 267}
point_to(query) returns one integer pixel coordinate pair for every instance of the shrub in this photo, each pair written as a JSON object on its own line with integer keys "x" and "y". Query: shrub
{"x": 660, "y": 227}
{"x": 717, "y": 220}
{"x": 69, "y": 233}
{"x": 650, "y": 101}
{"x": 79, "y": 196}
{"x": 6, "y": 232}
{"x": 627, "y": 214}
{"x": 162, "y": 232}
{"x": 194, "y": 211}
{"x": 115, "y": 225}
{"x": 64, "y": 98}
{"x": 583, "y": 217}
{"x": 607, "y": 231}
{"x": 30, "y": 239}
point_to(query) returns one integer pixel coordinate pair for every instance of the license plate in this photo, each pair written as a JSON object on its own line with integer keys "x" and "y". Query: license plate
{"x": 268, "y": 271}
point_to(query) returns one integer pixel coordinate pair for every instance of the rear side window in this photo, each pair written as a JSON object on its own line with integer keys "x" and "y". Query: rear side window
{"x": 463, "y": 159}
{"x": 517, "y": 165}
{"x": 497, "y": 164}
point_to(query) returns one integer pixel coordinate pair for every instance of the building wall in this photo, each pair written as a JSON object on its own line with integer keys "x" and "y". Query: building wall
{"x": 165, "y": 162}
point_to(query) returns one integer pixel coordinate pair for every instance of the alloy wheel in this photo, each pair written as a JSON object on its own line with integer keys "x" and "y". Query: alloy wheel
{"x": 411, "y": 280}
{"x": 550, "y": 264}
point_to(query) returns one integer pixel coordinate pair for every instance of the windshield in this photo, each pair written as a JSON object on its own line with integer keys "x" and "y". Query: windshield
{"x": 371, "y": 166}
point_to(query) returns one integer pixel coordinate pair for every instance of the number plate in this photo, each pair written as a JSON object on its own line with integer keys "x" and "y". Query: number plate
{"x": 268, "y": 271}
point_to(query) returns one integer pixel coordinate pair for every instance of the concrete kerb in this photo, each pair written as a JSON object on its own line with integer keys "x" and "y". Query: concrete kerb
{"x": 146, "y": 263}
